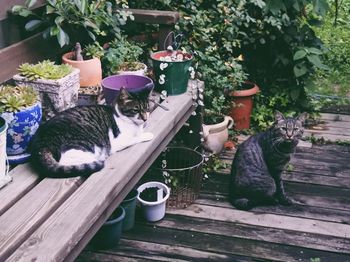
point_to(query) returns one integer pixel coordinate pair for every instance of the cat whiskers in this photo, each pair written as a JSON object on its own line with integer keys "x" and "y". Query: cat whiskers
{"x": 158, "y": 104}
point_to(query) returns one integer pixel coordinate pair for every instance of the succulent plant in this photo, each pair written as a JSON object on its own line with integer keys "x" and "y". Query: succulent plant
{"x": 93, "y": 50}
{"x": 16, "y": 98}
{"x": 44, "y": 70}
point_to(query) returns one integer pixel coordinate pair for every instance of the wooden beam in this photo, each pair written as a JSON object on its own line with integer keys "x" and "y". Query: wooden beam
{"x": 6, "y": 6}
{"x": 155, "y": 16}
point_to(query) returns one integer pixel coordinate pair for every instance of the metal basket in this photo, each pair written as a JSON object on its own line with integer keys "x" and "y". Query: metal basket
{"x": 180, "y": 168}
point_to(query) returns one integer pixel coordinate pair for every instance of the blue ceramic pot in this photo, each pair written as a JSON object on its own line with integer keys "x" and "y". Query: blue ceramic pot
{"x": 22, "y": 126}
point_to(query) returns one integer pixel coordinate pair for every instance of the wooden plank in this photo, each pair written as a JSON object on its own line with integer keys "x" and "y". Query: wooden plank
{"x": 154, "y": 16}
{"x": 266, "y": 220}
{"x": 329, "y": 130}
{"x": 335, "y": 117}
{"x": 31, "y": 50}
{"x": 258, "y": 250}
{"x": 327, "y": 137}
{"x": 296, "y": 210}
{"x": 90, "y": 256}
{"x": 163, "y": 252}
{"x": 266, "y": 234}
{"x": 105, "y": 184}
{"x": 22, "y": 219}
{"x": 24, "y": 180}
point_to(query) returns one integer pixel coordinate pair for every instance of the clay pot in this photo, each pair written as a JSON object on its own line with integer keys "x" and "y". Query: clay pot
{"x": 90, "y": 70}
{"x": 216, "y": 135}
{"x": 242, "y": 105}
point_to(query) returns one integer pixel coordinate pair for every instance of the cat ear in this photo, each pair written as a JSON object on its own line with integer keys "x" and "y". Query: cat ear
{"x": 123, "y": 95}
{"x": 279, "y": 116}
{"x": 302, "y": 117}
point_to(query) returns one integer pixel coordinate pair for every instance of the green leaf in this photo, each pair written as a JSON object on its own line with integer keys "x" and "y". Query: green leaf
{"x": 50, "y": 9}
{"x": 62, "y": 37}
{"x": 32, "y": 25}
{"x": 320, "y": 7}
{"x": 300, "y": 70}
{"x": 54, "y": 30}
{"x": 21, "y": 11}
{"x": 315, "y": 60}
{"x": 299, "y": 54}
{"x": 315, "y": 51}
{"x": 93, "y": 37}
{"x": 30, "y": 3}
{"x": 294, "y": 93}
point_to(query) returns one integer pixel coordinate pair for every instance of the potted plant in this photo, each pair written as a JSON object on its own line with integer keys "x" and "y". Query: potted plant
{"x": 242, "y": 104}
{"x": 4, "y": 167}
{"x": 123, "y": 57}
{"x": 172, "y": 70}
{"x": 57, "y": 85}
{"x": 215, "y": 131}
{"x": 153, "y": 196}
{"x": 109, "y": 234}
{"x": 88, "y": 61}
{"x": 21, "y": 108}
{"x": 129, "y": 205}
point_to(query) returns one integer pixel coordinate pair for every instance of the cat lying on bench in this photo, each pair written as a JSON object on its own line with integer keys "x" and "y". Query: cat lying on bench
{"x": 77, "y": 141}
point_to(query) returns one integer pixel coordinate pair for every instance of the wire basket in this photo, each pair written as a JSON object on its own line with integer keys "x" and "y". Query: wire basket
{"x": 180, "y": 168}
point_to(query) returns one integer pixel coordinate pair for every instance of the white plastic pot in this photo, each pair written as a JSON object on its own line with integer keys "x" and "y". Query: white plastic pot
{"x": 4, "y": 167}
{"x": 154, "y": 211}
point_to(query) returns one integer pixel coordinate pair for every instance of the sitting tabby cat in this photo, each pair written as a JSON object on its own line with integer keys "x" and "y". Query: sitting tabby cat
{"x": 76, "y": 142}
{"x": 259, "y": 162}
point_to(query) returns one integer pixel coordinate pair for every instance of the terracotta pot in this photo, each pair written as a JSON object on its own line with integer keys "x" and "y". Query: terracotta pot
{"x": 242, "y": 106}
{"x": 90, "y": 70}
{"x": 216, "y": 135}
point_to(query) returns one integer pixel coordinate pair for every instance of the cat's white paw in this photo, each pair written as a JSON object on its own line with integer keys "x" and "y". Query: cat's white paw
{"x": 147, "y": 136}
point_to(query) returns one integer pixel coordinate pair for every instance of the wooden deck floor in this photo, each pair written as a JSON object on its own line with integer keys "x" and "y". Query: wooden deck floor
{"x": 317, "y": 228}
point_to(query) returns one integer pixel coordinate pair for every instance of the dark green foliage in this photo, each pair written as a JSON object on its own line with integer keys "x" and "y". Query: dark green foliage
{"x": 64, "y": 19}
{"x": 279, "y": 47}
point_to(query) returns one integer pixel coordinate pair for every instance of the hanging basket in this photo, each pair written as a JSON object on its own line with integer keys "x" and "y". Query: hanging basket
{"x": 180, "y": 168}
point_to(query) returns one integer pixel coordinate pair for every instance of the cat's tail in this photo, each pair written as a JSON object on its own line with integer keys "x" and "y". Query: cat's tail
{"x": 48, "y": 166}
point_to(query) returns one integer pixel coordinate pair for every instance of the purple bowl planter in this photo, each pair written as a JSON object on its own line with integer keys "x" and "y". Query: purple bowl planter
{"x": 133, "y": 84}
{"x": 22, "y": 126}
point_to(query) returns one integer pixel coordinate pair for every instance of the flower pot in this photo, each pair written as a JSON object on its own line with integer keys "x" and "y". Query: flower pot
{"x": 90, "y": 70}
{"x": 129, "y": 205}
{"x": 139, "y": 72}
{"x": 55, "y": 95}
{"x": 4, "y": 167}
{"x": 133, "y": 84}
{"x": 22, "y": 126}
{"x": 154, "y": 210}
{"x": 171, "y": 76}
{"x": 242, "y": 106}
{"x": 109, "y": 234}
{"x": 216, "y": 135}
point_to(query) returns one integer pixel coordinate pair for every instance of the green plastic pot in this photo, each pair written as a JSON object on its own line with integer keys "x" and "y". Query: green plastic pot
{"x": 129, "y": 205}
{"x": 110, "y": 233}
{"x": 175, "y": 74}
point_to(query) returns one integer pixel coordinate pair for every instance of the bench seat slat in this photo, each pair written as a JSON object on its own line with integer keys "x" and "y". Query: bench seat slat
{"x": 21, "y": 220}
{"x": 54, "y": 240}
{"x": 25, "y": 179}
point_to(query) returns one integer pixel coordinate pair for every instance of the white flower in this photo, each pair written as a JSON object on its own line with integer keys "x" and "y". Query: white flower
{"x": 162, "y": 66}
{"x": 161, "y": 79}
{"x": 170, "y": 48}
{"x": 194, "y": 113}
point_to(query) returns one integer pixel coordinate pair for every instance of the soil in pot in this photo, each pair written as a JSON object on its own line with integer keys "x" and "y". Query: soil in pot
{"x": 150, "y": 194}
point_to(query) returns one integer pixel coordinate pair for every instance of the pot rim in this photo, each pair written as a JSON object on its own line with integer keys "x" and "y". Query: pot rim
{"x": 117, "y": 219}
{"x": 248, "y": 92}
{"x": 135, "y": 193}
{"x": 153, "y": 184}
{"x": 124, "y": 75}
{"x": 165, "y": 51}
{"x": 65, "y": 58}
{"x": 3, "y": 125}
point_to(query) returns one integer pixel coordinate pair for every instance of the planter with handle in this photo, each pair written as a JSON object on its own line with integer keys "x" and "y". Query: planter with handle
{"x": 153, "y": 197}
{"x": 109, "y": 234}
{"x": 242, "y": 105}
{"x": 129, "y": 205}
{"x": 216, "y": 133}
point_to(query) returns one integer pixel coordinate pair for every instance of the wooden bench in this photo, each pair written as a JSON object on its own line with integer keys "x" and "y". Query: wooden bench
{"x": 54, "y": 219}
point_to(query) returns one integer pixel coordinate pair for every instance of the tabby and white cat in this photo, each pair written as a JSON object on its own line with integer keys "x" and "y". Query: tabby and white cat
{"x": 259, "y": 162}
{"x": 76, "y": 142}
